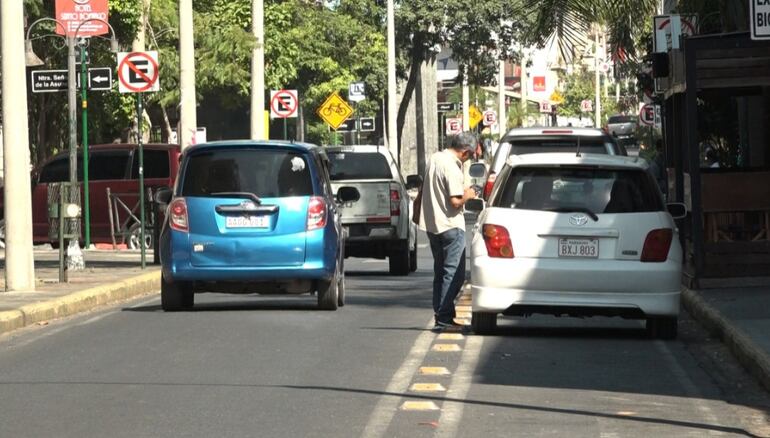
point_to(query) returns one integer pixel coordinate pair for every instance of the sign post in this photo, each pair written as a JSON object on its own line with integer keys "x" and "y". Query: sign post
{"x": 84, "y": 97}
{"x": 357, "y": 93}
{"x": 138, "y": 72}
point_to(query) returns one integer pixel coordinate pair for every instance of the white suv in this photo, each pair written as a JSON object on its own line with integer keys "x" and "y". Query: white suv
{"x": 379, "y": 224}
{"x": 577, "y": 235}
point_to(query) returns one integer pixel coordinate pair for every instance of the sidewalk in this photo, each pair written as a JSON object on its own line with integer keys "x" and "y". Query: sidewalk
{"x": 109, "y": 277}
{"x": 740, "y": 316}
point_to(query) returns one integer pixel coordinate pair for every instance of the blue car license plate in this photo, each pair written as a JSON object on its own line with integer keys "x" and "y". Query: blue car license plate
{"x": 247, "y": 221}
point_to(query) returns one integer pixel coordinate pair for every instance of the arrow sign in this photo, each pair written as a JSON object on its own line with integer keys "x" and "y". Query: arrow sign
{"x": 367, "y": 124}
{"x": 99, "y": 78}
{"x": 347, "y": 126}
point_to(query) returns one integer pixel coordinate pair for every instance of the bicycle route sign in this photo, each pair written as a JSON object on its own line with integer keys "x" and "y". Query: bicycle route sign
{"x": 138, "y": 72}
{"x": 284, "y": 104}
{"x": 334, "y": 111}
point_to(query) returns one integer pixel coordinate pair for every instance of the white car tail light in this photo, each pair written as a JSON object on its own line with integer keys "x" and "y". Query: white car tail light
{"x": 395, "y": 202}
{"x": 498, "y": 241}
{"x": 656, "y": 245}
{"x": 178, "y": 219}
{"x": 316, "y": 213}
{"x": 490, "y": 183}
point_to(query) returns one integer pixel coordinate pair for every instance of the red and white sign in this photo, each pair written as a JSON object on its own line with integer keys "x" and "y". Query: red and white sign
{"x": 545, "y": 107}
{"x": 647, "y": 115}
{"x": 138, "y": 72}
{"x": 586, "y": 105}
{"x": 454, "y": 126}
{"x": 490, "y": 118}
{"x": 283, "y": 103}
{"x": 668, "y": 28}
{"x": 82, "y": 18}
{"x": 538, "y": 83}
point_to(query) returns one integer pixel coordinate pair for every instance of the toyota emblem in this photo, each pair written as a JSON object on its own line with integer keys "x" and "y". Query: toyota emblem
{"x": 578, "y": 220}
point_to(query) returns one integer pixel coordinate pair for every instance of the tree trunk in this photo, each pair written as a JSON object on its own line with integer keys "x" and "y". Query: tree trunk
{"x": 166, "y": 123}
{"x": 411, "y": 82}
{"x": 42, "y": 125}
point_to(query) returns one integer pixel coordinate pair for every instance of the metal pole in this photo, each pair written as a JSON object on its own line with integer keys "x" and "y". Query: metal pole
{"x": 84, "y": 97}
{"x": 188, "y": 121}
{"x": 74, "y": 256}
{"x": 597, "y": 85}
{"x": 358, "y": 126}
{"x": 139, "y": 110}
{"x": 501, "y": 117}
{"x": 19, "y": 262}
{"x": 523, "y": 85}
{"x": 258, "y": 71}
{"x": 466, "y": 101}
{"x": 392, "y": 136}
{"x": 285, "y": 130}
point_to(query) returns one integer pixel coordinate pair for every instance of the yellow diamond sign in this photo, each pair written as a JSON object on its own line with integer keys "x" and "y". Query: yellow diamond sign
{"x": 557, "y": 98}
{"x": 475, "y": 116}
{"x": 334, "y": 110}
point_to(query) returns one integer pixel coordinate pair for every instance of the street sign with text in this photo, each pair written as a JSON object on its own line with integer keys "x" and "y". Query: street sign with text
{"x": 52, "y": 81}
{"x": 356, "y": 91}
{"x": 84, "y": 17}
{"x": 444, "y": 107}
{"x": 760, "y": 19}
{"x": 367, "y": 124}
{"x": 284, "y": 103}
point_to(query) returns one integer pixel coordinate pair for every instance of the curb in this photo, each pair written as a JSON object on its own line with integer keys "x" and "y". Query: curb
{"x": 79, "y": 302}
{"x": 753, "y": 358}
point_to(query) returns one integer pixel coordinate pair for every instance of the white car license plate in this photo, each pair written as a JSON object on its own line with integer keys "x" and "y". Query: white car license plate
{"x": 588, "y": 248}
{"x": 247, "y": 221}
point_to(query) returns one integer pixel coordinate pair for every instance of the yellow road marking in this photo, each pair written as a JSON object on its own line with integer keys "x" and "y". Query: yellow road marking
{"x": 434, "y": 371}
{"x": 419, "y": 406}
{"x": 451, "y": 337}
{"x": 446, "y": 347}
{"x": 463, "y": 308}
{"x": 464, "y": 315}
{"x": 626, "y": 413}
{"x": 463, "y": 321}
{"x": 427, "y": 387}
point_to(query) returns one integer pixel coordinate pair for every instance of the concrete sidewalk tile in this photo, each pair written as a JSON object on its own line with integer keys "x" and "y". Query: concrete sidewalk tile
{"x": 754, "y": 358}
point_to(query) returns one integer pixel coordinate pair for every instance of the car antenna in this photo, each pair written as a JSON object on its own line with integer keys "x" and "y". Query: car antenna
{"x": 578, "y": 146}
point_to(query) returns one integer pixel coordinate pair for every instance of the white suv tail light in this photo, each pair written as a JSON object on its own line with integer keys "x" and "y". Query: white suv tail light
{"x": 395, "y": 201}
{"x": 316, "y": 213}
{"x": 178, "y": 218}
{"x": 498, "y": 241}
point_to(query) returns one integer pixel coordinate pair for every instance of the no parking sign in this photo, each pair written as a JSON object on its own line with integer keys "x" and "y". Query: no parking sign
{"x": 138, "y": 72}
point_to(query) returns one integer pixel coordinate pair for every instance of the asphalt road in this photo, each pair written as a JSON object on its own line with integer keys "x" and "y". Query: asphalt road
{"x": 276, "y": 367}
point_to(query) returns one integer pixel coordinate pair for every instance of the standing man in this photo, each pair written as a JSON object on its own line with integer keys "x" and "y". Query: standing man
{"x": 443, "y": 197}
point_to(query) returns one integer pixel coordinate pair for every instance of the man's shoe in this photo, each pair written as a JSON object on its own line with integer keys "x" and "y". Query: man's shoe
{"x": 450, "y": 325}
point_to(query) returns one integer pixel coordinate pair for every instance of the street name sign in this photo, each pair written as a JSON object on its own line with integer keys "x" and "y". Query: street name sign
{"x": 444, "y": 107}
{"x": 82, "y": 17}
{"x": 138, "y": 72}
{"x": 52, "y": 81}
{"x": 99, "y": 78}
{"x": 334, "y": 111}
{"x": 284, "y": 103}
{"x": 760, "y": 19}
{"x": 367, "y": 124}
{"x": 357, "y": 91}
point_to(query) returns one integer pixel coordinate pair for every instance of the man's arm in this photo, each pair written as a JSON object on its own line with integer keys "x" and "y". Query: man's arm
{"x": 459, "y": 201}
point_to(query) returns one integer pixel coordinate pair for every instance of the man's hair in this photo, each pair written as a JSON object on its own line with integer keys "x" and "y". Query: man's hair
{"x": 465, "y": 141}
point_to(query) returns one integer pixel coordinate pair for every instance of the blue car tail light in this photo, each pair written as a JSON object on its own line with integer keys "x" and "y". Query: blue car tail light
{"x": 316, "y": 213}
{"x": 178, "y": 219}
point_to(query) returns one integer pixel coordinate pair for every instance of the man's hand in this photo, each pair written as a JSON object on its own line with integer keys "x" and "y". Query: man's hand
{"x": 469, "y": 194}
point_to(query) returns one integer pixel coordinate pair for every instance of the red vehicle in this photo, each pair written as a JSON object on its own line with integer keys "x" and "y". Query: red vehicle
{"x": 114, "y": 166}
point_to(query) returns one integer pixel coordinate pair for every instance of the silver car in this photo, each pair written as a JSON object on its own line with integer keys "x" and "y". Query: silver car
{"x": 621, "y": 127}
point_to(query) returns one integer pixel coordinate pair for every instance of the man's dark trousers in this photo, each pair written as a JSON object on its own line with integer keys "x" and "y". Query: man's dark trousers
{"x": 448, "y": 250}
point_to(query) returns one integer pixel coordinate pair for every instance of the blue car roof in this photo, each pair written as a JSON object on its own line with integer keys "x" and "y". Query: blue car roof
{"x": 302, "y": 147}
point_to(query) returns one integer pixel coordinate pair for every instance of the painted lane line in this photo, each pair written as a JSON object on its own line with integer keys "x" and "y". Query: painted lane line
{"x": 427, "y": 387}
{"x": 434, "y": 371}
{"x": 386, "y": 408}
{"x": 452, "y": 411}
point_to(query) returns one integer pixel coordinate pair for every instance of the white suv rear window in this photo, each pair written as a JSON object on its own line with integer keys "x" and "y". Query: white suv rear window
{"x": 579, "y": 188}
{"x": 358, "y": 165}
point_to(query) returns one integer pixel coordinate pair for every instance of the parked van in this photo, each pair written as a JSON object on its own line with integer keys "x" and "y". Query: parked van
{"x": 114, "y": 166}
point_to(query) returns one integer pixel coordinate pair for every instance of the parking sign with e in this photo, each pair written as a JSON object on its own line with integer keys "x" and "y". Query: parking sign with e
{"x": 138, "y": 72}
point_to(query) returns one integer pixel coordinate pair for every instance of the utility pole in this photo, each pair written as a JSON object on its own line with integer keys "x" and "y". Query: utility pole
{"x": 392, "y": 136}
{"x": 19, "y": 262}
{"x": 188, "y": 123}
{"x": 523, "y": 85}
{"x": 597, "y": 85}
{"x": 501, "y": 118}
{"x": 258, "y": 70}
{"x": 466, "y": 101}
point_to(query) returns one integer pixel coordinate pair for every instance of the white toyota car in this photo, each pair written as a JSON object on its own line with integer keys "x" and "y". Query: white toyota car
{"x": 576, "y": 234}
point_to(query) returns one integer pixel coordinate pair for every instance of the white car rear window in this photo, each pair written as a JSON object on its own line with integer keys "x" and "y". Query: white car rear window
{"x": 568, "y": 189}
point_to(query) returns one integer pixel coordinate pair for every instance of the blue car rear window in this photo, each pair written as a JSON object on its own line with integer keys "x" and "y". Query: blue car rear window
{"x": 267, "y": 173}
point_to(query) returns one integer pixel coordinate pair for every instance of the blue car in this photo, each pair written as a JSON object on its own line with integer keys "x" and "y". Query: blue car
{"x": 253, "y": 217}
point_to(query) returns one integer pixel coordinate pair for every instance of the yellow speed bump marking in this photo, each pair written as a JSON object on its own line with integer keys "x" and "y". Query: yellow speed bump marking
{"x": 446, "y": 347}
{"x": 419, "y": 406}
{"x": 427, "y": 387}
{"x": 434, "y": 371}
{"x": 463, "y": 308}
{"x": 451, "y": 337}
{"x": 464, "y": 315}
{"x": 626, "y": 413}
